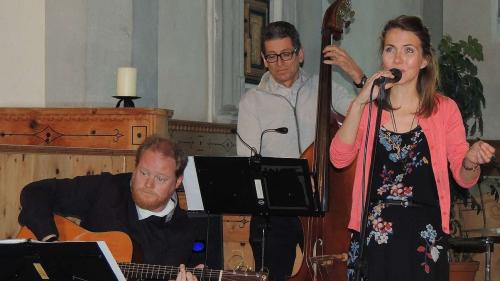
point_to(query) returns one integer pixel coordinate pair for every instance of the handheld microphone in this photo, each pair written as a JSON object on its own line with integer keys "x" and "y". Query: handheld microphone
{"x": 253, "y": 150}
{"x": 382, "y": 80}
{"x": 280, "y": 130}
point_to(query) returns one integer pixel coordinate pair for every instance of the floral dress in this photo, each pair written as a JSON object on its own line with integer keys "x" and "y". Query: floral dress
{"x": 404, "y": 239}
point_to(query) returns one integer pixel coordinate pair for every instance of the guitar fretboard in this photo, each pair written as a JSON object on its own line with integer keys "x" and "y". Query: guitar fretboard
{"x": 137, "y": 271}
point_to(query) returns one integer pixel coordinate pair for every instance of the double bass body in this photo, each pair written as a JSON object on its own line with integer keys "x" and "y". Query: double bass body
{"x": 326, "y": 237}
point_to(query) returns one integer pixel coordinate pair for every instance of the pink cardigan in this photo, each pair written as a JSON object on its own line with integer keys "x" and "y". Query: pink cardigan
{"x": 445, "y": 135}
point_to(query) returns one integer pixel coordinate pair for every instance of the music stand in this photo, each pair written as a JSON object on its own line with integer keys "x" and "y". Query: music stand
{"x": 237, "y": 185}
{"x": 57, "y": 261}
{"x": 262, "y": 186}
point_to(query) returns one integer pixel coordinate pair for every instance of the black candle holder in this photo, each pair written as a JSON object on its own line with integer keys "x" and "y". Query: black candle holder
{"x": 127, "y": 100}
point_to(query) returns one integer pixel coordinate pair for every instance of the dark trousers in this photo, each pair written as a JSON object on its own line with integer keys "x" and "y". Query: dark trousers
{"x": 282, "y": 236}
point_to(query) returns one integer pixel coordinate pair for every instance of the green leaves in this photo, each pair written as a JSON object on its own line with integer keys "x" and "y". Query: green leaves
{"x": 457, "y": 71}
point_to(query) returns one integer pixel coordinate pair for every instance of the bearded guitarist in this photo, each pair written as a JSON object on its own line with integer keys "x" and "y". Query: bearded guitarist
{"x": 143, "y": 204}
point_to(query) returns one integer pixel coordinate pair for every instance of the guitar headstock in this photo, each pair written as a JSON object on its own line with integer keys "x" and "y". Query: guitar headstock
{"x": 337, "y": 17}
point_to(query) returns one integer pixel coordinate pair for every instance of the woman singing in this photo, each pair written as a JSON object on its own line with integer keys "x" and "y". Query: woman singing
{"x": 421, "y": 134}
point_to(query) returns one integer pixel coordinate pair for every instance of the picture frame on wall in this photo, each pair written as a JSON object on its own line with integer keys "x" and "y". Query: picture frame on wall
{"x": 256, "y": 18}
{"x": 498, "y": 20}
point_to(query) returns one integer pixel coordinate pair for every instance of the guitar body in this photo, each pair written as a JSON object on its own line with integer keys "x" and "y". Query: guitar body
{"x": 119, "y": 243}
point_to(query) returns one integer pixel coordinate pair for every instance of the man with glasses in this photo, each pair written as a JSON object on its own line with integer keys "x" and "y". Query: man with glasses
{"x": 286, "y": 97}
{"x": 142, "y": 204}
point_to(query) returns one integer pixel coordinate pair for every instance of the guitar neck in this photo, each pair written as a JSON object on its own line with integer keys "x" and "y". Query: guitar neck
{"x": 165, "y": 272}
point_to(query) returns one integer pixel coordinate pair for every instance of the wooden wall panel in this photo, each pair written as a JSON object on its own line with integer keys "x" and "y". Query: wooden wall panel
{"x": 11, "y": 182}
{"x": 18, "y": 169}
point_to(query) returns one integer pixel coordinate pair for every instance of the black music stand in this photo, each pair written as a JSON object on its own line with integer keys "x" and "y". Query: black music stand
{"x": 262, "y": 186}
{"x": 238, "y": 185}
{"x": 57, "y": 261}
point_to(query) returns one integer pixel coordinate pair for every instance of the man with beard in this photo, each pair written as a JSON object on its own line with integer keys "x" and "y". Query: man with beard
{"x": 142, "y": 204}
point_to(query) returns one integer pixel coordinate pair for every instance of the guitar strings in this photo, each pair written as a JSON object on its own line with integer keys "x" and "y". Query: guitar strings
{"x": 141, "y": 270}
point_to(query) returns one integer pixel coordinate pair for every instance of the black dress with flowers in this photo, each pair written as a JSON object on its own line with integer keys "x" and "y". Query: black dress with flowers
{"x": 404, "y": 237}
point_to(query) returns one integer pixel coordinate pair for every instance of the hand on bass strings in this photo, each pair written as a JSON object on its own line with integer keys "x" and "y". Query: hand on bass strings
{"x": 335, "y": 55}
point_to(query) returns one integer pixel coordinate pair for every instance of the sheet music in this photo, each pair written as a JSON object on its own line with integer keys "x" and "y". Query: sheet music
{"x": 111, "y": 261}
{"x": 13, "y": 241}
{"x": 192, "y": 187}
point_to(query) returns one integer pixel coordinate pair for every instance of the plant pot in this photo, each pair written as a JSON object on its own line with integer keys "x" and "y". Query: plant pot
{"x": 463, "y": 271}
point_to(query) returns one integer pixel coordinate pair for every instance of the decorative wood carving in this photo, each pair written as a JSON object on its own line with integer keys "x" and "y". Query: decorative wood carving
{"x": 201, "y": 138}
{"x": 114, "y": 128}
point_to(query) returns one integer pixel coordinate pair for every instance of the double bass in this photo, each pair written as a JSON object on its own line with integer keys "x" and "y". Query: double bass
{"x": 326, "y": 237}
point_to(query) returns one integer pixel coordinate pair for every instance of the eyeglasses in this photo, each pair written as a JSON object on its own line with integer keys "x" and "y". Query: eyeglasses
{"x": 285, "y": 56}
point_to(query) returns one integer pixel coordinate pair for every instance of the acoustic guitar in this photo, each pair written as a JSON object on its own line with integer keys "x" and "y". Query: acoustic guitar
{"x": 120, "y": 245}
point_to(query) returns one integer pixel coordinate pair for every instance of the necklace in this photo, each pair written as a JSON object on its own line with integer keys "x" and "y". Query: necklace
{"x": 394, "y": 121}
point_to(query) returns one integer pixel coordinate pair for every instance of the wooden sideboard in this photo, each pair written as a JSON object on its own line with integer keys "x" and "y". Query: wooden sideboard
{"x": 111, "y": 128}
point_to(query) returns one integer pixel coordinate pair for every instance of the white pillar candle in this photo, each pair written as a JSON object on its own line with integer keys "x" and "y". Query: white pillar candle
{"x": 126, "y": 81}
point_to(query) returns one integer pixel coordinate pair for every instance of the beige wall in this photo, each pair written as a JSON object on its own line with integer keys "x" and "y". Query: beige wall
{"x": 182, "y": 59}
{"x": 22, "y": 55}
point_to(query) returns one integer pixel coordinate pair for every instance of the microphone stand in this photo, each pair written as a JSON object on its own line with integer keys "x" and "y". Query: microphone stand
{"x": 254, "y": 159}
{"x": 361, "y": 265}
{"x": 255, "y": 165}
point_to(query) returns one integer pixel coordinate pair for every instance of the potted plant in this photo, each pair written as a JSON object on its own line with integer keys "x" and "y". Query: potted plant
{"x": 459, "y": 81}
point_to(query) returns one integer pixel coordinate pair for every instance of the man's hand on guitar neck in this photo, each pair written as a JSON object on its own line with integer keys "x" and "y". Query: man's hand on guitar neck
{"x": 184, "y": 275}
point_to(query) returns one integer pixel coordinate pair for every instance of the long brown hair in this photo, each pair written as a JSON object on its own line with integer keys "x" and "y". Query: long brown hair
{"x": 428, "y": 76}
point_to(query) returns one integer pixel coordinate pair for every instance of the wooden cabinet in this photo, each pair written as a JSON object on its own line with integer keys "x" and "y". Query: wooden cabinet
{"x": 110, "y": 128}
